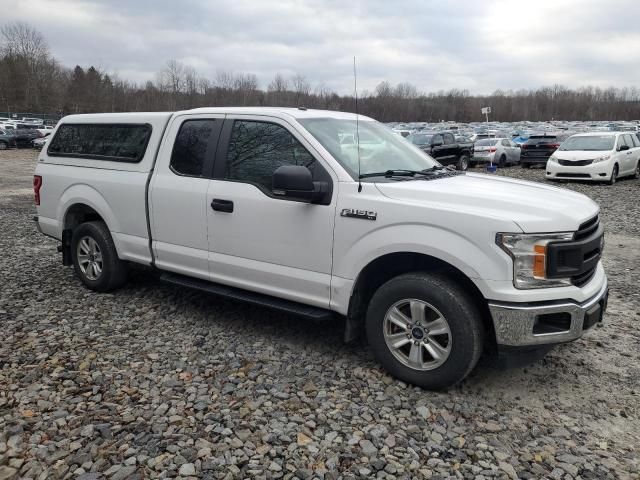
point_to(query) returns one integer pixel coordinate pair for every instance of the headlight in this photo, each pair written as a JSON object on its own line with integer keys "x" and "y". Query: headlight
{"x": 529, "y": 254}
{"x": 603, "y": 158}
{"x": 553, "y": 158}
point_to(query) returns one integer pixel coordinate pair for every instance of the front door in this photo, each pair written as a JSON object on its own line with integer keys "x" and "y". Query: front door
{"x": 260, "y": 242}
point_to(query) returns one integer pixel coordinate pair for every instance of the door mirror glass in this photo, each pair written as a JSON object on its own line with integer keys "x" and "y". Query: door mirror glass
{"x": 296, "y": 182}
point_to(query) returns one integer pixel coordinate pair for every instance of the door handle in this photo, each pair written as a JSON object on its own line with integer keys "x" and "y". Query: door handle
{"x": 222, "y": 205}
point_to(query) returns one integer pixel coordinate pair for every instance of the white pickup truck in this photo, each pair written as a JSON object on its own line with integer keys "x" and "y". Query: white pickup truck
{"x": 271, "y": 206}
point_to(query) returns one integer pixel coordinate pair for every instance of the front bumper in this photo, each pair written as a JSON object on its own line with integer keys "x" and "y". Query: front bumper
{"x": 545, "y": 323}
{"x": 600, "y": 171}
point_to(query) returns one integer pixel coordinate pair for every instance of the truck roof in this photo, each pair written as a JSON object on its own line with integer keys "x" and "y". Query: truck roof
{"x": 297, "y": 113}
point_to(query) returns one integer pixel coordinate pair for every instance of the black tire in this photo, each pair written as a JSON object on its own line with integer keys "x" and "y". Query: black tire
{"x": 113, "y": 270}
{"x": 460, "y": 312}
{"x": 525, "y": 165}
{"x": 614, "y": 175}
{"x": 4, "y": 145}
{"x": 463, "y": 162}
{"x": 502, "y": 162}
{"x": 636, "y": 174}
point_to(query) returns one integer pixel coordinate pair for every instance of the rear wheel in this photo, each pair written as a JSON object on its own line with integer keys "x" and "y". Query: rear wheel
{"x": 636, "y": 174}
{"x": 502, "y": 162}
{"x": 425, "y": 330}
{"x": 463, "y": 162}
{"x": 95, "y": 258}
{"x": 614, "y": 175}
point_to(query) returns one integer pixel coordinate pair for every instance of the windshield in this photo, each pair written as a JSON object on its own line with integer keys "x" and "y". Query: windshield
{"x": 484, "y": 143}
{"x": 383, "y": 149}
{"x": 590, "y": 143}
{"x": 420, "y": 139}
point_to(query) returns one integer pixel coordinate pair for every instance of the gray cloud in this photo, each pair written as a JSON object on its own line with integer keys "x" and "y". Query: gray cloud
{"x": 479, "y": 46}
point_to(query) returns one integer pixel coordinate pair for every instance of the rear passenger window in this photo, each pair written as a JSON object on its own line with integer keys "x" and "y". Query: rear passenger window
{"x": 112, "y": 142}
{"x": 257, "y": 149}
{"x": 505, "y": 143}
{"x": 192, "y": 146}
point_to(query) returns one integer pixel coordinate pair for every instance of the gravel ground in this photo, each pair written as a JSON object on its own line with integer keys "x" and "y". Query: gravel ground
{"x": 155, "y": 381}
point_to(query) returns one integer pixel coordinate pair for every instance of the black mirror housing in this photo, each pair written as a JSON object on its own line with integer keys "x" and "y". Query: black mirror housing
{"x": 296, "y": 182}
{"x": 623, "y": 148}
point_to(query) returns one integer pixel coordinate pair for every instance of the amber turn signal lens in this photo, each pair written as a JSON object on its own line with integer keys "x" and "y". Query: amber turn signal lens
{"x": 539, "y": 261}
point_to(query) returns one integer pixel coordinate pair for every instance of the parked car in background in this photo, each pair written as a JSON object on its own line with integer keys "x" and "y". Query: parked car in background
{"x": 25, "y": 136}
{"x": 39, "y": 143}
{"x": 7, "y": 140}
{"x": 539, "y": 147}
{"x": 45, "y": 130}
{"x": 596, "y": 156}
{"x": 444, "y": 148}
{"x": 7, "y": 126}
{"x": 500, "y": 151}
{"x": 32, "y": 120}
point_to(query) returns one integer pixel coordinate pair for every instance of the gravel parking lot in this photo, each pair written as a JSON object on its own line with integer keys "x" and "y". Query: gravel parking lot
{"x": 155, "y": 381}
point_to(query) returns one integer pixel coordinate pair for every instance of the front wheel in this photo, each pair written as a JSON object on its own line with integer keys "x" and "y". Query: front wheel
{"x": 95, "y": 258}
{"x": 3, "y": 146}
{"x": 425, "y": 330}
{"x": 636, "y": 173}
{"x": 614, "y": 175}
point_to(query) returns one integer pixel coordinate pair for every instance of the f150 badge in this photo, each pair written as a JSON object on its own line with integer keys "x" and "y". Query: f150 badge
{"x": 362, "y": 214}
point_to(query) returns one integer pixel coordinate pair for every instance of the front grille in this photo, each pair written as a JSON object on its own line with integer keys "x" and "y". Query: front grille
{"x": 577, "y": 259}
{"x": 576, "y": 163}
{"x": 573, "y": 175}
{"x": 587, "y": 228}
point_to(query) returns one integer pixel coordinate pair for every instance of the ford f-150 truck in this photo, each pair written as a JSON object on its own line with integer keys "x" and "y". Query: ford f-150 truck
{"x": 272, "y": 206}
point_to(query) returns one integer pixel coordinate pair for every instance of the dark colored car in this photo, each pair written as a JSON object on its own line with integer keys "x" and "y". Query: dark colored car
{"x": 539, "y": 147}
{"x": 444, "y": 148}
{"x": 7, "y": 140}
{"x": 24, "y": 137}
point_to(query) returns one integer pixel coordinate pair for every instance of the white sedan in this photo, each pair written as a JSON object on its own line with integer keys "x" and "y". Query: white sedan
{"x": 596, "y": 156}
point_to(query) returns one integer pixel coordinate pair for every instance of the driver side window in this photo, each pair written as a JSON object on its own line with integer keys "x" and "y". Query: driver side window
{"x": 257, "y": 149}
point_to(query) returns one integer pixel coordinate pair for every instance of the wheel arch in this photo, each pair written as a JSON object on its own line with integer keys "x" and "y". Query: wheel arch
{"x": 385, "y": 267}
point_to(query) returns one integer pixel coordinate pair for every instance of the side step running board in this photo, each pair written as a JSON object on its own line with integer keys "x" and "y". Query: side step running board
{"x": 247, "y": 296}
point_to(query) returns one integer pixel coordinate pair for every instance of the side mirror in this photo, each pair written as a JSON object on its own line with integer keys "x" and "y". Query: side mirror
{"x": 296, "y": 182}
{"x": 623, "y": 148}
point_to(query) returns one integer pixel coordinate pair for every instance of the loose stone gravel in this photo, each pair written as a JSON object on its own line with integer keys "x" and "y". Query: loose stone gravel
{"x": 154, "y": 381}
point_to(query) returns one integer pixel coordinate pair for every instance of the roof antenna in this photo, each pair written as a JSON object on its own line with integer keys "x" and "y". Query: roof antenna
{"x": 355, "y": 91}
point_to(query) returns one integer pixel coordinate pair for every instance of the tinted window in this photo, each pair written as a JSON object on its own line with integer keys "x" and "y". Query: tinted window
{"x": 191, "y": 147}
{"x": 636, "y": 140}
{"x": 121, "y": 143}
{"x": 506, "y": 143}
{"x": 437, "y": 139}
{"x": 448, "y": 138}
{"x": 257, "y": 149}
{"x": 620, "y": 142}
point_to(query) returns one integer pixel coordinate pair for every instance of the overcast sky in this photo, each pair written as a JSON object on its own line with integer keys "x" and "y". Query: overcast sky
{"x": 476, "y": 45}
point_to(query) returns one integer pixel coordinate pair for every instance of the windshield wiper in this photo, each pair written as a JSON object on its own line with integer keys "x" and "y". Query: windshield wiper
{"x": 402, "y": 172}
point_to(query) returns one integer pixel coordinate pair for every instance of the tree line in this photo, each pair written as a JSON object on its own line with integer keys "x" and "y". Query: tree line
{"x": 32, "y": 80}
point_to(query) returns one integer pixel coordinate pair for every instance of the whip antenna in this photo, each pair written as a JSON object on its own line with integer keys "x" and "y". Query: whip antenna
{"x": 355, "y": 93}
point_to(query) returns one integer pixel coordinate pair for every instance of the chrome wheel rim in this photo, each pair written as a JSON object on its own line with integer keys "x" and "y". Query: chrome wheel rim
{"x": 464, "y": 163}
{"x": 89, "y": 258}
{"x": 417, "y": 334}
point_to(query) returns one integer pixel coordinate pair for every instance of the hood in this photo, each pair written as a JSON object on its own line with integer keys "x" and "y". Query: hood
{"x": 580, "y": 154}
{"x": 534, "y": 207}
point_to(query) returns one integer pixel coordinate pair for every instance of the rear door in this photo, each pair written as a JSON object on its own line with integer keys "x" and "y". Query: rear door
{"x": 178, "y": 192}
{"x": 259, "y": 241}
{"x": 631, "y": 157}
